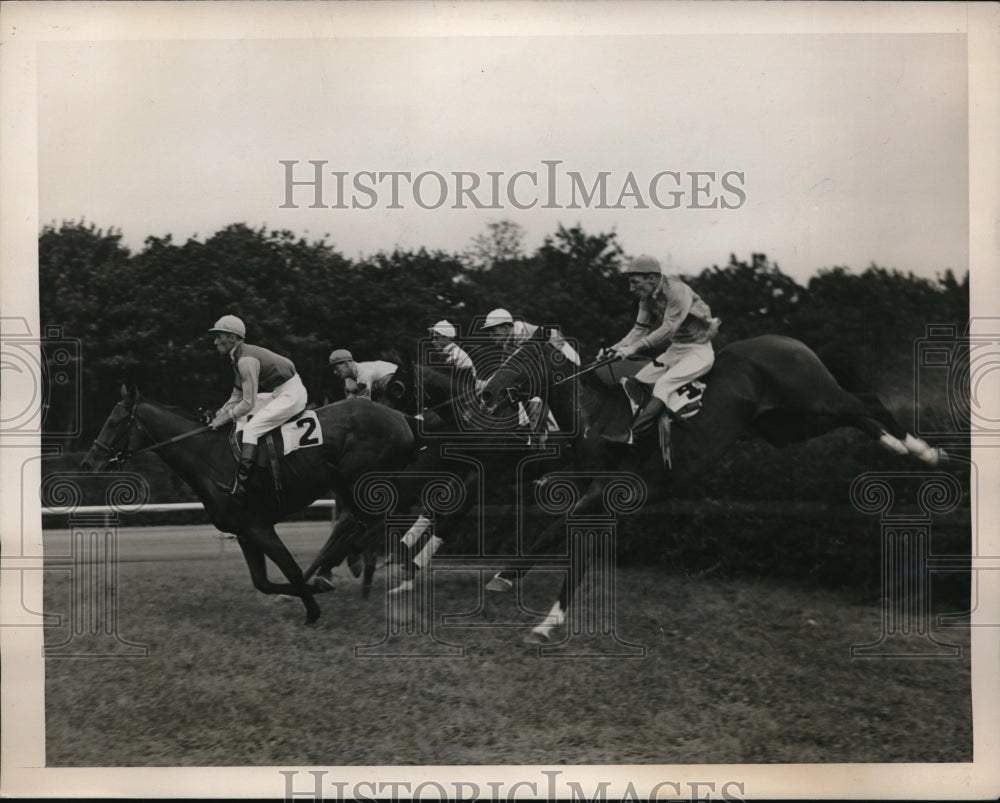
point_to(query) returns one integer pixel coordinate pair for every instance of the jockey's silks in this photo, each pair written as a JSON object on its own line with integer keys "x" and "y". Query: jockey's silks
{"x": 274, "y": 369}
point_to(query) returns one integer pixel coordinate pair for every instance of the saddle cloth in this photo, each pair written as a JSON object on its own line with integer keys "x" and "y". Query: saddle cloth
{"x": 684, "y": 402}
{"x": 299, "y": 432}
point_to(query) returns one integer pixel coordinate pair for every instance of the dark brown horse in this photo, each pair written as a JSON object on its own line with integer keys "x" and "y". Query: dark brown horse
{"x": 447, "y": 405}
{"x": 770, "y": 386}
{"x": 358, "y": 436}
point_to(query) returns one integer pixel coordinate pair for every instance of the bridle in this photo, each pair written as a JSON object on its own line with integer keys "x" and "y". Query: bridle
{"x": 119, "y": 456}
{"x": 514, "y": 393}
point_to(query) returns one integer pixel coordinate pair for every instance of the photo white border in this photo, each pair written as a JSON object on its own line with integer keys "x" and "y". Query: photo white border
{"x": 25, "y": 24}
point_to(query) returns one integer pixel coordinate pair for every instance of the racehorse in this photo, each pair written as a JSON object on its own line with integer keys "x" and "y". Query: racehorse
{"x": 446, "y": 402}
{"x": 357, "y": 437}
{"x": 771, "y": 386}
{"x": 436, "y": 397}
{"x": 440, "y": 394}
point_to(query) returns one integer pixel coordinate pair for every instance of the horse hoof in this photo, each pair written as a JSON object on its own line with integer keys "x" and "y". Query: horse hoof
{"x": 312, "y": 616}
{"x": 324, "y": 582}
{"x": 404, "y": 587}
{"x": 499, "y": 584}
{"x": 537, "y": 639}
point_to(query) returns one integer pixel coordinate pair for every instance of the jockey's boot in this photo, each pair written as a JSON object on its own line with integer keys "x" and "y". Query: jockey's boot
{"x": 247, "y": 455}
{"x": 646, "y": 417}
{"x": 637, "y": 393}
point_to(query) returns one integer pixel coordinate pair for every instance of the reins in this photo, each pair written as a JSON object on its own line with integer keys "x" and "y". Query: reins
{"x": 121, "y": 455}
{"x": 592, "y": 367}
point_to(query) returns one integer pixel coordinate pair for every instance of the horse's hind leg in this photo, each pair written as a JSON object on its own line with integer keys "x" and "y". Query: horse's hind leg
{"x": 878, "y": 422}
{"x": 261, "y": 541}
{"x": 336, "y": 548}
{"x": 369, "y": 572}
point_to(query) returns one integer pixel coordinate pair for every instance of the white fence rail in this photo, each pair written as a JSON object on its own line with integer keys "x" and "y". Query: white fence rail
{"x": 795, "y": 510}
{"x": 146, "y": 508}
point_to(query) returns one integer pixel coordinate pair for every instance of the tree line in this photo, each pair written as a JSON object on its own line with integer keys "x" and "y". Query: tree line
{"x": 144, "y": 316}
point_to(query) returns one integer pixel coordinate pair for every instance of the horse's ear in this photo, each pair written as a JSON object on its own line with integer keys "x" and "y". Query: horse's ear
{"x": 129, "y": 391}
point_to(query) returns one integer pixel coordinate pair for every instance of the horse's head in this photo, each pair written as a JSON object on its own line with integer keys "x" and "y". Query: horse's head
{"x": 119, "y": 435}
{"x": 525, "y": 373}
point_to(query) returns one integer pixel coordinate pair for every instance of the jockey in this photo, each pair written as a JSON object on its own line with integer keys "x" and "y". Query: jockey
{"x": 443, "y": 336}
{"x": 264, "y": 384}
{"x": 362, "y": 380}
{"x": 669, "y": 312}
{"x": 510, "y": 334}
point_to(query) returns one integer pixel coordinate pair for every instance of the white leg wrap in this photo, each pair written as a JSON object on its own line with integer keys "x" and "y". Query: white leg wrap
{"x": 423, "y": 557}
{"x": 552, "y": 620}
{"x": 893, "y": 444}
{"x": 418, "y": 529}
{"x": 522, "y": 415}
{"x": 920, "y": 449}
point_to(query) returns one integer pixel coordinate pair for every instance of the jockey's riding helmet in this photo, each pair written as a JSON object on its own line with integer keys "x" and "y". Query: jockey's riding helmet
{"x": 644, "y": 264}
{"x": 497, "y": 317}
{"x": 231, "y": 325}
{"x": 340, "y": 355}
{"x": 444, "y": 329}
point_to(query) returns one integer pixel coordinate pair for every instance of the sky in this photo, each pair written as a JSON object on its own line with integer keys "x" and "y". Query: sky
{"x": 839, "y": 149}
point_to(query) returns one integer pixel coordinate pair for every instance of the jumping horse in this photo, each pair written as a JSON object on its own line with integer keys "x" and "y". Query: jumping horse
{"x": 769, "y": 386}
{"x": 357, "y": 437}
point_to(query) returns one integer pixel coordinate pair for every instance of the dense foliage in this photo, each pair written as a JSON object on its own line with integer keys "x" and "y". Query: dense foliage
{"x": 144, "y": 316}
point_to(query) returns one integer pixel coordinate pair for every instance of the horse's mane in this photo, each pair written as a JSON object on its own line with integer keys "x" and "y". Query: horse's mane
{"x": 181, "y": 412}
{"x": 399, "y": 357}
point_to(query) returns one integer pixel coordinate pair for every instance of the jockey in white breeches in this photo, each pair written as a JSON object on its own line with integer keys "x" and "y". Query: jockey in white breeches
{"x": 266, "y": 387}
{"x": 670, "y": 312}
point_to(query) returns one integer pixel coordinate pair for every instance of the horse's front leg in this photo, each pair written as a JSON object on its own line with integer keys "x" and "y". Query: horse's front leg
{"x": 262, "y": 541}
{"x": 542, "y": 632}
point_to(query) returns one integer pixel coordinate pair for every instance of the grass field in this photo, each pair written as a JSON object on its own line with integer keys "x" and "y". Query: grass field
{"x": 734, "y": 672}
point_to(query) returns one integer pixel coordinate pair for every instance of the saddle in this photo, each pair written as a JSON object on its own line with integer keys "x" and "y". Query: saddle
{"x": 684, "y": 402}
{"x": 300, "y": 431}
